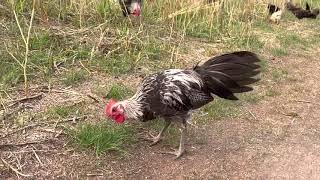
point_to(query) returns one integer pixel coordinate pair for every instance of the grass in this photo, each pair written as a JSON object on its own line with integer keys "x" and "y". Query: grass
{"x": 263, "y": 65}
{"x": 221, "y": 108}
{"x": 93, "y": 34}
{"x": 279, "y": 52}
{"x": 272, "y": 93}
{"x": 64, "y": 111}
{"x": 10, "y": 75}
{"x": 132, "y": 45}
{"x": 74, "y": 77}
{"x": 119, "y": 92}
{"x": 251, "y": 97}
{"x": 263, "y": 26}
{"x": 23, "y": 118}
{"x": 292, "y": 40}
{"x": 172, "y": 134}
{"x": 278, "y": 74}
{"x": 103, "y": 137}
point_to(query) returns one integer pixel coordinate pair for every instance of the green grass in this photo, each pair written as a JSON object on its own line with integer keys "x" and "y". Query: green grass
{"x": 263, "y": 64}
{"x": 103, "y": 137}
{"x": 64, "y": 111}
{"x": 221, "y": 108}
{"x": 23, "y": 118}
{"x": 279, "y": 52}
{"x": 74, "y": 77}
{"x": 171, "y": 135}
{"x": 116, "y": 65}
{"x": 292, "y": 39}
{"x": 279, "y": 74}
{"x": 251, "y": 97}
{"x": 272, "y": 93}
{"x": 10, "y": 74}
{"x": 129, "y": 46}
{"x": 248, "y": 42}
{"x": 263, "y": 26}
{"x": 119, "y": 92}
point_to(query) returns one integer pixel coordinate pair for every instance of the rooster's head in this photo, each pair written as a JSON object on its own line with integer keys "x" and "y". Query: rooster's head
{"x": 115, "y": 111}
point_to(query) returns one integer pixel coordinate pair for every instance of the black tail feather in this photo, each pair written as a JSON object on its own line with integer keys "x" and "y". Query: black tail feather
{"x": 230, "y": 73}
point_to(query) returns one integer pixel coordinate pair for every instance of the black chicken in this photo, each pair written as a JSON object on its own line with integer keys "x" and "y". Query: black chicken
{"x": 174, "y": 93}
{"x": 302, "y": 13}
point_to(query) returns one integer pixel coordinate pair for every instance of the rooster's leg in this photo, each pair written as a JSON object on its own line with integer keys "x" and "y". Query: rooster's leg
{"x": 156, "y": 139}
{"x": 181, "y": 149}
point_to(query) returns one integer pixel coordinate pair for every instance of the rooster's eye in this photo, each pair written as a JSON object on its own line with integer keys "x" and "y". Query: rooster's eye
{"x": 114, "y": 109}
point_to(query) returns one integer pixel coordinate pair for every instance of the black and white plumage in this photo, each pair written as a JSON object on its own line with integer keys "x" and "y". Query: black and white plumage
{"x": 174, "y": 93}
{"x": 275, "y": 13}
{"x": 273, "y": 8}
{"x": 302, "y": 13}
{"x": 129, "y": 7}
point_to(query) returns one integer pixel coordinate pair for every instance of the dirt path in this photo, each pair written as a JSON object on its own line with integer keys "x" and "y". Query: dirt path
{"x": 276, "y": 138}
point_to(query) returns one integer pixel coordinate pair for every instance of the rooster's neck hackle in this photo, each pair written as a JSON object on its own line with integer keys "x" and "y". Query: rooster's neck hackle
{"x": 132, "y": 108}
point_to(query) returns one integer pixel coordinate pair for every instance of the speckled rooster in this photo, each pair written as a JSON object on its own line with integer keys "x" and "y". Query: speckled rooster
{"x": 174, "y": 93}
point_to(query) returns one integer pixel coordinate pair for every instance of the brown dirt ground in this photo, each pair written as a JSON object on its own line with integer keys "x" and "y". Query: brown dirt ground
{"x": 275, "y": 138}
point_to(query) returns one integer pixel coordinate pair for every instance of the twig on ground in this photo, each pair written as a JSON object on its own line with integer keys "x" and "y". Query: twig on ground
{"x": 23, "y": 144}
{"x": 37, "y": 157}
{"x": 59, "y": 133}
{"x": 2, "y": 103}
{"x": 52, "y": 90}
{"x": 72, "y": 119}
{"x": 309, "y": 102}
{"x": 31, "y": 151}
{"x": 18, "y": 164}
{"x": 24, "y": 99}
{"x": 95, "y": 174}
{"x": 21, "y": 129}
{"x": 85, "y": 67}
{"x": 14, "y": 169}
{"x": 93, "y": 98}
{"x": 254, "y": 117}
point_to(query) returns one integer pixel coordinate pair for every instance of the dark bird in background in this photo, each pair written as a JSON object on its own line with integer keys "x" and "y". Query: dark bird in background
{"x": 302, "y": 13}
{"x": 174, "y": 93}
{"x": 131, "y": 7}
{"x": 273, "y": 8}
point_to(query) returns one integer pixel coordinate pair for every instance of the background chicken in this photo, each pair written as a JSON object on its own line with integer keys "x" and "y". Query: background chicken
{"x": 276, "y": 16}
{"x": 131, "y": 7}
{"x": 302, "y": 13}
{"x": 273, "y": 8}
{"x": 276, "y": 12}
{"x": 174, "y": 93}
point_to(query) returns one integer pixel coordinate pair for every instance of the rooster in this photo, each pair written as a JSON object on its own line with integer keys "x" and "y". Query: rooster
{"x": 131, "y": 7}
{"x": 174, "y": 93}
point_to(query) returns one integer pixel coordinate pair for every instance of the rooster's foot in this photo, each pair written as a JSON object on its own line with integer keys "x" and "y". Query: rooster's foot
{"x": 177, "y": 153}
{"x": 154, "y": 139}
